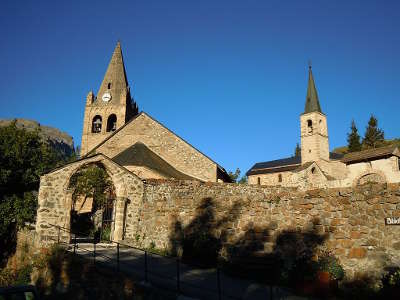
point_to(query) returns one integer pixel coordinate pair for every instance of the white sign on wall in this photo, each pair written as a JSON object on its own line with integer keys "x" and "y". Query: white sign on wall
{"x": 392, "y": 220}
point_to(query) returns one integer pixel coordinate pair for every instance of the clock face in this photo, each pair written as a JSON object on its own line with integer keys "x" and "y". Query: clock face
{"x": 106, "y": 97}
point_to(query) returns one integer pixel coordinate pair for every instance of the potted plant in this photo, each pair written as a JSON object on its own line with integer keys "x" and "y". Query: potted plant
{"x": 329, "y": 273}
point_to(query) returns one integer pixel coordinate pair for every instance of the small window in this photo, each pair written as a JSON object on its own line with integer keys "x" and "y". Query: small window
{"x": 109, "y": 85}
{"x": 313, "y": 170}
{"x": 280, "y": 178}
{"x": 309, "y": 126}
{"x": 258, "y": 180}
{"x": 309, "y": 151}
{"x": 96, "y": 124}
{"x": 398, "y": 163}
{"x": 112, "y": 123}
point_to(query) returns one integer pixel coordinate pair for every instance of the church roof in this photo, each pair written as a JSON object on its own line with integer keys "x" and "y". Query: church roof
{"x": 370, "y": 154}
{"x": 115, "y": 81}
{"x": 282, "y": 165}
{"x": 221, "y": 170}
{"x": 279, "y": 165}
{"x": 312, "y": 101}
{"x": 140, "y": 155}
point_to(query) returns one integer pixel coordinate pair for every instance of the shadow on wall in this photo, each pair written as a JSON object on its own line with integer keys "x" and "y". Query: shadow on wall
{"x": 259, "y": 252}
{"x": 288, "y": 257}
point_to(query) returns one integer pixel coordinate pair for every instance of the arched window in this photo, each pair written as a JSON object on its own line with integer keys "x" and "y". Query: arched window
{"x": 112, "y": 123}
{"x": 309, "y": 126}
{"x": 279, "y": 177}
{"x": 313, "y": 170}
{"x": 109, "y": 85}
{"x": 258, "y": 181}
{"x": 96, "y": 124}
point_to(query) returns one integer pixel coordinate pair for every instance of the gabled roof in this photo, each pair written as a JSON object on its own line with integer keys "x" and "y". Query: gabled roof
{"x": 312, "y": 101}
{"x": 140, "y": 155}
{"x": 282, "y": 165}
{"x": 371, "y": 154}
{"x": 221, "y": 169}
{"x": 279, "y": 165}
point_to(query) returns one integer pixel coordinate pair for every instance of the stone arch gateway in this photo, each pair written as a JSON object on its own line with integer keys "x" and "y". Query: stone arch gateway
{"x": 55, "y": 199}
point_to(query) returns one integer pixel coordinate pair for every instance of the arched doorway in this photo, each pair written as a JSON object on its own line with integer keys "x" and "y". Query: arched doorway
{"x": 93, "y": 202}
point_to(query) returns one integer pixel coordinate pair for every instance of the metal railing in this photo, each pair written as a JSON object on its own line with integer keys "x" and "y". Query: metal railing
{"x": 124, "y": 266}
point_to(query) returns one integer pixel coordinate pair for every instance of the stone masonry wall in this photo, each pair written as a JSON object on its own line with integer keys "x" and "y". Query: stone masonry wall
{"x": 350, "y": 221}
{"x": 164, "y": 143}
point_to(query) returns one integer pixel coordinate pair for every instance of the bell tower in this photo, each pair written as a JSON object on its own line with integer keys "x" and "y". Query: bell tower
{"x": 111, "y": 108}
{"x": 313, "y": 126}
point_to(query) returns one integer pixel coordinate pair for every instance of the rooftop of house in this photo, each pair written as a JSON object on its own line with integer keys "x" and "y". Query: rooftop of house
{"x": 282, "y": 165}
{"x": 370, "y": 154}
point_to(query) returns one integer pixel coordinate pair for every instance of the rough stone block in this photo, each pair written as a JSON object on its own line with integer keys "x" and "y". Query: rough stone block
{"x": 355, "y": 234}
{"x": 357, "y": 253}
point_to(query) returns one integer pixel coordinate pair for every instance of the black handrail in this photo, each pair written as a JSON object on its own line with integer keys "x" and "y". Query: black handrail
{"x": 217, "y": 291}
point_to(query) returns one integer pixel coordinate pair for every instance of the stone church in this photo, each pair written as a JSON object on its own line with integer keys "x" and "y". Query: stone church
{"x": 113, "y": 127}
{"x": 149, "y": 209}
{"x": 316, "y": 167}
{"x": 131, "y": 146}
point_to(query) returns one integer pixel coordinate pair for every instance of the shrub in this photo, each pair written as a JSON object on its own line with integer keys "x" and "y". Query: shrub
{"x": 329, "y": 263}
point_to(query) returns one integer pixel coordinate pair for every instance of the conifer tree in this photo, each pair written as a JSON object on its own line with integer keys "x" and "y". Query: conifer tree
{"x": 297, "y": 150}
{"x": 353, "y": 139}
{"x": 374, "y": 136}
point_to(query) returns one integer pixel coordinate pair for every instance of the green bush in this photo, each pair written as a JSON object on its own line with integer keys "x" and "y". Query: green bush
{"x": 106, "y": 234}
{"x": 392, "y": 279}
{"x": 330, "y": 264}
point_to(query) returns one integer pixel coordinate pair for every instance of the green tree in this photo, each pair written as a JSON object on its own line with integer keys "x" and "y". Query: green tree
{"x": 353, "y": 139}
{"x": 374, "y": 137}
{"x": 234, "y": 176}
{"x": 24, "y": 157}
{"x": 92, "y": 181}
{"x": 297, "y": 150}
{"x": 243, "y": 180}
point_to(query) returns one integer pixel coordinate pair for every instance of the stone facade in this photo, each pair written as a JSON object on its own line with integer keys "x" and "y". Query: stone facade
{"x": 314, "y": 137}
{"x": 318, "y": 168}
{"x": 112, "y": 126}
{"x": 55, "y": 198}
{"x": 161, "y": 141}
{"x": 271, "y": 179}
{"x": 246, "y": 219}
{"x": 350, "y": 220}
{"x": 379, "y": 170}
{"x": 91, "y": 139}
{"x": 112, "y": 106}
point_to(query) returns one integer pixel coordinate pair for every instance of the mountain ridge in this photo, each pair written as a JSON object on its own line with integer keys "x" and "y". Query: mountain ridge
{"x": 59, "y": 140}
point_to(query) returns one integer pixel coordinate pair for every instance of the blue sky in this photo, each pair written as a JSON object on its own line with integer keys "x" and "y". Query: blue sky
{"x": 230, "y": 77}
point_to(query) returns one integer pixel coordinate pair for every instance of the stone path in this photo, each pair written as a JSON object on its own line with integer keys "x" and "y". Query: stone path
{"x": 194, "y": 283}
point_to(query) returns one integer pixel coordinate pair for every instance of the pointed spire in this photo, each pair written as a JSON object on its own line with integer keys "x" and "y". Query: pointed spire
{"x": 115, "y": 81}
{"x": 312, "y": 101}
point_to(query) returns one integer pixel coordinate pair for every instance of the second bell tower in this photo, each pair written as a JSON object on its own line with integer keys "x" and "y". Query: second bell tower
{"x": 314, "y": 128}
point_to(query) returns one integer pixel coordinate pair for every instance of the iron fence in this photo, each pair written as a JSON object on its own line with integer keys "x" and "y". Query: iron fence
{"x": 148, "y": 274}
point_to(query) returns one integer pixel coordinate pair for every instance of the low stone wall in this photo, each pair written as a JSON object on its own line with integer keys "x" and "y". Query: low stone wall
{"x": 256, "y": 219}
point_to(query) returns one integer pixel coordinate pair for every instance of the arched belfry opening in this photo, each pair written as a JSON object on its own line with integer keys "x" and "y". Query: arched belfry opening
{"x": 96, "y": 124}
{"x": 112, "y": 123}
{"x": 309, "y": 126}
{"x": 93, "y": 202}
